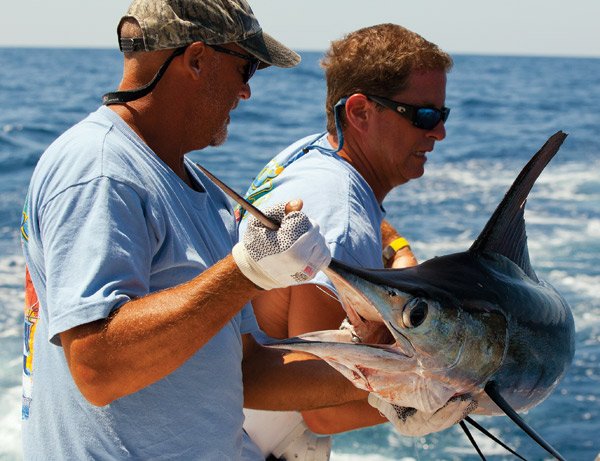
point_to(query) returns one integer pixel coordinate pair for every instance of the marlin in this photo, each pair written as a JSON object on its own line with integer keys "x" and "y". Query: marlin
{"x": 478, "y": 322}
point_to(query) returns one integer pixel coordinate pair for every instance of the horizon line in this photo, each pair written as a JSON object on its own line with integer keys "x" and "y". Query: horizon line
{"x": 507, "y": 54}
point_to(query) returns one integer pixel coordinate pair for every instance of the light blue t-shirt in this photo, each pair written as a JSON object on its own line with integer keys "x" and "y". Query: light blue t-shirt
{"x": 107, "y": 221}
{"x": 335, "y": 195}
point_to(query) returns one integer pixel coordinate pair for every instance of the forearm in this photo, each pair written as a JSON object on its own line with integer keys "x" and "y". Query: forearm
{"x": 150, "y": 337}
{"x": 279, "y": 380}
{"x": 388, "y": 233}
{"x": 342, "y": 418}
{"x": 311, "y": 310}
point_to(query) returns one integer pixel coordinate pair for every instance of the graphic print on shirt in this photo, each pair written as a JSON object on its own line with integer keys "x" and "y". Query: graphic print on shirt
{"x": 260, "y": 187}
{"x": 263, "y": 183}
{"x": 25, "y": 222}
{"x": 31, "y": 316}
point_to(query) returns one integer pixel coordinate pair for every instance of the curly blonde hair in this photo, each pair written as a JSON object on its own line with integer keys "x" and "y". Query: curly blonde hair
{"x": 376, "y": 60}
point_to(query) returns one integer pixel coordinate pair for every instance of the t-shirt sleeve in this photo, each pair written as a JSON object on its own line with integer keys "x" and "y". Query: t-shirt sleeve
{"x": 97, "y": 248}
{"x": 248, "y": 323}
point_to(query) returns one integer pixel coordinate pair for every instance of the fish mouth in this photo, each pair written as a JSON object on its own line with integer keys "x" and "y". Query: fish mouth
{"x": 402, "y": 342}
{"x": 367, "y": 324}
{"x": 384, "y": 335}
{"x": 396, "y": 347}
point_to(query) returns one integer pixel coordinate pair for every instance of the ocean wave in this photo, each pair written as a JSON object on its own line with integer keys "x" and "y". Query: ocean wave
{"x": 12, "y": 299}
{"x": 372, "y": 457}
{"x": 10, "y": 423}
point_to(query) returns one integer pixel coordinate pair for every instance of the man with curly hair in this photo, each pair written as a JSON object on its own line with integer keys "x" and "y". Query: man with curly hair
{"x": 386, "y": 92}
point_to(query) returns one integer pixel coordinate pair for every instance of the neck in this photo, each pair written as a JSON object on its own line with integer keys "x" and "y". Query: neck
{"x": 354, "y": 153}
{"x": 161, "y": 118}
{"x": 158, "y": 132}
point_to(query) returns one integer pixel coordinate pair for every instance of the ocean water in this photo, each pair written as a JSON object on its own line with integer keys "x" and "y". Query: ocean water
{"x": 503, "y": 109}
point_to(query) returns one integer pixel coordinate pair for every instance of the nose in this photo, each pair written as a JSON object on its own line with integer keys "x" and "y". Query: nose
{"x": 245, "y": 91}
{"x": 438, "y": 132}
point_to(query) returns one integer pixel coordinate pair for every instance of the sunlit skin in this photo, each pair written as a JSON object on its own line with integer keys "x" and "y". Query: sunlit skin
{"x": 195, "y": 96}
{"x": 390, "y": 151}
{"x": 229, "y": 93}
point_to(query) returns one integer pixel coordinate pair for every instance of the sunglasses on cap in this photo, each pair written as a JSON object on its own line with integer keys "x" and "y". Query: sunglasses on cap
{"x": 249, "y": 70}
{"x": 425, "y": 118}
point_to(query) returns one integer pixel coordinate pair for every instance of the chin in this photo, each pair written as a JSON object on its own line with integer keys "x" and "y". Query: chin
{"x": 415, "y": 174}
{"x": 418, "y": 170}
{"x": 219, "y": 138}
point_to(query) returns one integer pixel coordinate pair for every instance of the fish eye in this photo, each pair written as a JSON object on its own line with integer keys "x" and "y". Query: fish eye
{"x": 414, "y": 313}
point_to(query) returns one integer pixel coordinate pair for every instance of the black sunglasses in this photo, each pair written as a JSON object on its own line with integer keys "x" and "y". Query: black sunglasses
{"x": 425, "y": 118}
{"x": 253, "y": 63}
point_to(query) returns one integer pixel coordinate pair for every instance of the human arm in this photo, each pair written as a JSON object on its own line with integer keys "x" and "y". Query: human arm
{"x": 404, "y": 256}
{"x": 305, "y": 308}
{"x": 314, "y": 308}
{"x": 150, "y": 336}
{"x": 279, "y": 380}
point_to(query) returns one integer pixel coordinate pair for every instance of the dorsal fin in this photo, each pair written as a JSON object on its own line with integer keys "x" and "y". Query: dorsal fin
{"x": 505, "y": 233}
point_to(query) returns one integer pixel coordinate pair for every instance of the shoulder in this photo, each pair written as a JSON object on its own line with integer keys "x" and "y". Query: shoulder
{"x": 319, "y": 180}
{"x": 93, "y": 148}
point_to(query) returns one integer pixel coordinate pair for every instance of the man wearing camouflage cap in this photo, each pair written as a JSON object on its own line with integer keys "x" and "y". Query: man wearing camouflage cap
{"x": 137, "y": 337}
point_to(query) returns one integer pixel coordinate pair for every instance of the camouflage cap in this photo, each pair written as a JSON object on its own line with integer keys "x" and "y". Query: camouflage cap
{"x": 175, "y": 23}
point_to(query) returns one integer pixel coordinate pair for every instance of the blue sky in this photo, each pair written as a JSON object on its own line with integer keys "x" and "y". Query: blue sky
{"x": 522, "y": 27}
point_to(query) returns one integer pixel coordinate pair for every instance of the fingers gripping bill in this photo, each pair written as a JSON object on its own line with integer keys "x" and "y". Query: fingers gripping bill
{"x": 290, "y": 255}
{"x": 415, "y": 423}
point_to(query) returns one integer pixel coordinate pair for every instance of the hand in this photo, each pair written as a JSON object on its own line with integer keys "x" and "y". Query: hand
{"x": 411, "y": 422}
{"x": 288, "y": 256}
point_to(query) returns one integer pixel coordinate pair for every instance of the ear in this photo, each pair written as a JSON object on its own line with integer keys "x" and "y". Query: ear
{"x": 359, "y": 111}
{"x": 194, "y": 59}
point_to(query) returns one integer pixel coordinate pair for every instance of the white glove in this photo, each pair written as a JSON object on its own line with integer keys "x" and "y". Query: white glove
{"x": 288, "y": 256}
{"x": 411, "y": 422}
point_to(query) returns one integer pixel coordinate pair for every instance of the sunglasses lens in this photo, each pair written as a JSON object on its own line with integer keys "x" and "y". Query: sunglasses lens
{"x": 429, "y": 118}
{"x": 445, "y": 113}
{"x": 426, "y": 118}
{"x": 250, "y": 70}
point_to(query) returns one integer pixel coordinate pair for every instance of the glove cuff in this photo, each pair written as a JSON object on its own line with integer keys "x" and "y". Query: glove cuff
{"x": 251, "y": 269}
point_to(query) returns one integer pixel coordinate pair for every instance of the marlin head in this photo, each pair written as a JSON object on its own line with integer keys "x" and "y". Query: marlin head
{"x": 439, "y": 325}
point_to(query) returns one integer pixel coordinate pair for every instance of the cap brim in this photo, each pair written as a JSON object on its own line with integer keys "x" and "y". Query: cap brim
{"x": 269, "y": 51}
